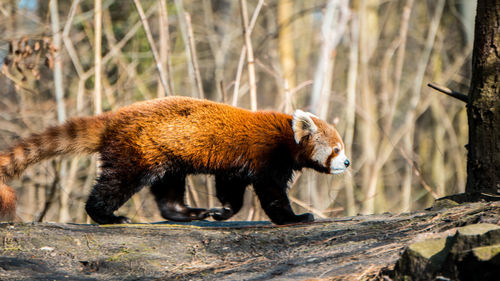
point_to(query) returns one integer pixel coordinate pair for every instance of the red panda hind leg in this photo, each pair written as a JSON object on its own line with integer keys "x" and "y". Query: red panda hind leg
{"x": 169, "y": 195}
{"x": 113, "y": 188}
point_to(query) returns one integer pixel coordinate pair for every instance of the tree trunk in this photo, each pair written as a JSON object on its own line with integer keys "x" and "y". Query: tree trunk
{"x": 483, "y": 109}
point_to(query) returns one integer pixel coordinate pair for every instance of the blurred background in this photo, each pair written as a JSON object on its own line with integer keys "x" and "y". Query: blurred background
{"x": 361, "y": 64}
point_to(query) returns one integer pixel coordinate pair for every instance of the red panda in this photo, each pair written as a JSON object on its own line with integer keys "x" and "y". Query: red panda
{"x": 157, "y": 143}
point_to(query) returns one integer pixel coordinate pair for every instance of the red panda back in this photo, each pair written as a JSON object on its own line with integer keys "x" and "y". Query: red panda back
{"x": 208, "y": 135}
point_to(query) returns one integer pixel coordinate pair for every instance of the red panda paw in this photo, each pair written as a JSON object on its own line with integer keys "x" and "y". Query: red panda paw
{"x": 303, "y": 218}
{"x": 307, "y": 217}
{"x": 122, "y": 220}
{"x": 221, "y": 214}
{"x": 184, "y": 214}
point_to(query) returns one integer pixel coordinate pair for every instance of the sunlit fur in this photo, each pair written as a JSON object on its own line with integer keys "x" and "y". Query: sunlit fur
{"x": 159, "y": 142}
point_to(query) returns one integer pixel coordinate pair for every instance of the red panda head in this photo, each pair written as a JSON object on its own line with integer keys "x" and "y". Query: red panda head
{"x": 321, "y": 141}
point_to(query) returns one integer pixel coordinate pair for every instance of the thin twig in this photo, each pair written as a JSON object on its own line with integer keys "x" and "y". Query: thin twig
{"x": 239, "y": 71}
{"x": 116, "y": 48}
{"x": 334, "y": 24}
{"x": 307, "y": 207}
{"x": 192, "y": 191}
{"x": 241, "y": 61}
{"x": 408, "y": 139}
{"x": 350, "y": 108}
{"x": 165, "y": 47}
{"x": 97, "y": 64}
{"x": 250, "y": 58}
{"x": 151, "y": 42}
{"x": 58, "y": 76}
{"x": 52, "y": 194}
{"x": 17, "y": 82}
{"x": 97, "y": 56}
{"x": 194, "y": 57}
{"x": 288, "y": 97}
{"x": 289, "y": 101}
{"x": 217, "y": 46}
{"x": 449, "y": 92}
{"x": 132, "y": 31}
{"x": 301, "y": 203}
{"x": 185, "y": 37}
{"x": 67, "y": 41}
{"x": 223, "y": 91}
{"x": 125, "y": 63}
{"x": 61, "y": 109}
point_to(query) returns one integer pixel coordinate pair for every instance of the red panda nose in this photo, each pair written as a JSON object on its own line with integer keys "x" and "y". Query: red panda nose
{"x": 347, "y": 163}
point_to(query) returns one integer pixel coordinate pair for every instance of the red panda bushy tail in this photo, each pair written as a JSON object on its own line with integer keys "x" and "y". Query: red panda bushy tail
{"x": 79, "y": 135}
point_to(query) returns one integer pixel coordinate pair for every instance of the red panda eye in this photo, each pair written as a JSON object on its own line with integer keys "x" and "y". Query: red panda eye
{"x": 336, "y": 150}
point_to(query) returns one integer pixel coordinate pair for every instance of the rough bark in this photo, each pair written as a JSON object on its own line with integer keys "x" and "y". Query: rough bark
{"x": 351, "y": 248}
{"x": 483, "y": 109}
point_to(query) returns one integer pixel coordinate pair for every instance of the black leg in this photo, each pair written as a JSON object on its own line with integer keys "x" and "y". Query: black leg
{"x": 230, "y": 194}
{"x": 274, "y": 200}
{"x": 169, "y": 195}
{"x": 110, "y": 192}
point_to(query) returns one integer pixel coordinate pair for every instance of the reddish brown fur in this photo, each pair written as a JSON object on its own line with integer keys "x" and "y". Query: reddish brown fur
{"x": 7, "y": 202}
{"x": 188, "y": 128}
{"x": 172, "y": 136}
{"x": 176, "y": 124}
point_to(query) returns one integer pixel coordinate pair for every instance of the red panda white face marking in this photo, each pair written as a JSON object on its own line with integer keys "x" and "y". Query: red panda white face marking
{"x": 327, "y": 146}
{"x": 321, "y": 153}
{"x": 339, "y": 163}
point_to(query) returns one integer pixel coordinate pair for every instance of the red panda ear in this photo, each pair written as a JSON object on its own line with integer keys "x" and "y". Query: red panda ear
{"x": 302, "y": 125}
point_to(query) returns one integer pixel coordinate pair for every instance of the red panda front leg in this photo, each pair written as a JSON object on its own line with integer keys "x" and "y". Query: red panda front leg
{"x": 169, "y": 195}
{"x": 230, "y": 194}
{"x": 274, "y": 200}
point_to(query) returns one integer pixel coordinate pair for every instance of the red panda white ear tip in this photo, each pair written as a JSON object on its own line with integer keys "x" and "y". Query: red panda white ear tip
{"x": 302, "y": 125}
{"x": 312, "y": 115}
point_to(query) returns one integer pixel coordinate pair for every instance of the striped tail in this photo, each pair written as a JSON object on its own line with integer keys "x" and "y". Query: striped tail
{"x": 78, "y": 135}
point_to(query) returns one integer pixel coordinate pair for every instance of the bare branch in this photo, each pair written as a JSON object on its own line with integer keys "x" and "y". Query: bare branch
{"x": 151, "y": 42}
{"x": 97, "y": 57}
{"x": 449, "y": 92}
{"x": 243, "y": 54}
{"x": 307, "y": 207}
{"x": 194, "y": 57}
{"x": 67, "y": 41}
{"x": 165, "y": 46}
{"x": 250, "y": 58}
{"x": 58, "y": 76}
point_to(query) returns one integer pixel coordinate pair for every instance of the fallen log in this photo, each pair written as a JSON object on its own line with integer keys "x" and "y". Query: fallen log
{"x": 347, "y": 248}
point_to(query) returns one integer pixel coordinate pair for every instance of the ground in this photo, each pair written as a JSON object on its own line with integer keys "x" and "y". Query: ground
{"x": 347, "y": 248}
